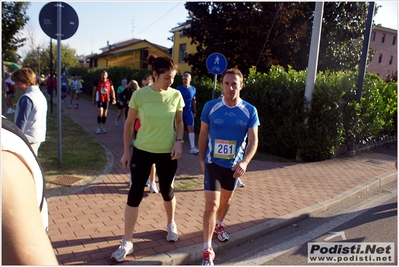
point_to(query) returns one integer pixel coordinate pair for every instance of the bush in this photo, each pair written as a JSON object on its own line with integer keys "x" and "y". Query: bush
{"x": 335, "y": 116}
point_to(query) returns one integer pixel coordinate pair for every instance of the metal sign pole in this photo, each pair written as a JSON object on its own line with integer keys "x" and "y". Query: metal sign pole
{"x": 214, "y": 86}
{"x": 59, "y": 31}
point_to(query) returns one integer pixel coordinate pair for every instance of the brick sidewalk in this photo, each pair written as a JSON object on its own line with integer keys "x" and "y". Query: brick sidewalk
{"x": 86, "y": 227}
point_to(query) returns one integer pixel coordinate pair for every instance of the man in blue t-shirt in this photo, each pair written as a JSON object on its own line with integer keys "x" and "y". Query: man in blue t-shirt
{"x": 227, "y": 124}
{"x": 190, "y": 109}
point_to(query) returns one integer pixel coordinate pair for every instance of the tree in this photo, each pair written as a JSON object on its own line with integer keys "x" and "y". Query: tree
{"x": 274, "y": 33}
{"x": 13, "y": 20}
{"x": 68, "y": 58}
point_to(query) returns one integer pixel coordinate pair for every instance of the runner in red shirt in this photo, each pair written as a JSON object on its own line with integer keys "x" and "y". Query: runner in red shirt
{"x": 103, "y": 93}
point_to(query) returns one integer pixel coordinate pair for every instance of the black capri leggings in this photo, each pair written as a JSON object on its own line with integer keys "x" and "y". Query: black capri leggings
{"x": 140, "y": 167}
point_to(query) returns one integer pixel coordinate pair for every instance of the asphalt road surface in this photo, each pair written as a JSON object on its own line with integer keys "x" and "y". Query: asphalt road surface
{"x": 370, "y": 218}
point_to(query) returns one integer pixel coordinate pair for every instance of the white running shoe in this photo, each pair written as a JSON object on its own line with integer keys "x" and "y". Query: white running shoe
{"x": 153, "y": 188}
{"x": 10, "y": 111}
{"x": 172, "y": 232}
{"x": 103, "y": 130}
{"x": 147, "y": 184}
{"x": 125, "y": 248}
{"x": 240, "y": 183}
{"x": 194, "y": 150}
{"x": 98, "y": 130}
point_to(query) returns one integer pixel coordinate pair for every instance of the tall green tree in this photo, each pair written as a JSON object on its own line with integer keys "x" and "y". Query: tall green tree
{"x": 274, "y": 33}
{"x": 13, "y": 21}
{"x": 68, "y": 58}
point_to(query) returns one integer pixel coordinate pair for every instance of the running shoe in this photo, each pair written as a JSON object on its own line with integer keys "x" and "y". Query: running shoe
{"x": 153, "y": 188}
{"x": 209, "y": 256}
{"x": 194, "y": 150}
{"x": 98, "y": 130}
{"x": 125, "y": 248}
{"x": 240, "y": 183}
{"x": 147, "y": 184}
{"x": 172, "y": 232}
{"x": 221, "y": 234}
{"x": 103, "y": 130}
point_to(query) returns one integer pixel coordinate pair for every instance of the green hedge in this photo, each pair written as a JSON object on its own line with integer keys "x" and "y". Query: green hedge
{"x": 288, "y": 128}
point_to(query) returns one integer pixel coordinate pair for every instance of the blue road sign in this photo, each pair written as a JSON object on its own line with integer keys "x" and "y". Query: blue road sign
{"x": 216, "y": 63}
{"x": 48, "y": 20}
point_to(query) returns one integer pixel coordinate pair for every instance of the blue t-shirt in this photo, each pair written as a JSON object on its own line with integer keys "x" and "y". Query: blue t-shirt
{"x": 228, "y": 130}
{"x": 64, "y": 82}
{"x": 188, "y": 95}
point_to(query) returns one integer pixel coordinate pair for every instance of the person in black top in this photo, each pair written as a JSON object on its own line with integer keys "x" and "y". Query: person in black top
{"x": 126, "y": 94}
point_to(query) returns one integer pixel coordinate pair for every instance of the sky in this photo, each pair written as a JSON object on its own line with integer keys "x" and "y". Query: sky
{"x": 105, "y": 21}
{"x": 117, "y": 21}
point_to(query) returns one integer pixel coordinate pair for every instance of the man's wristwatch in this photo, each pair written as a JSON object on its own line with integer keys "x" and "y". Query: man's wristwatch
{"x": 180, "y": 140}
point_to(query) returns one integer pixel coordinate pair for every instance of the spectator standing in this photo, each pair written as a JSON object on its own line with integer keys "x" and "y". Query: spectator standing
{"x": 103, "y": 93}
{"x": 10, "y": 94}
{"x": 160, "y": 108}
{"x": 31, "y": 111}
{"x": 119, "y": 104}
{"x": 190, "y": 108}
{"x": 224, "y": 154}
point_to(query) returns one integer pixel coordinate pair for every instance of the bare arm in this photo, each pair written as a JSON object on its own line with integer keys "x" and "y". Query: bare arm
{"x": 179, "y": 125}
{"x": 24, "y": 240}
{"x": 202, "y": 143}
{"x": 127, "y": 136}
{"x": 194, "y": 104}
{"x": 113, "y": 95}
{"x": 250, "y": 152}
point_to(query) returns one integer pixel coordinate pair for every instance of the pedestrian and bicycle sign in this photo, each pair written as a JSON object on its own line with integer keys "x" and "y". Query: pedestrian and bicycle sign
{"x": 216, "y": 63}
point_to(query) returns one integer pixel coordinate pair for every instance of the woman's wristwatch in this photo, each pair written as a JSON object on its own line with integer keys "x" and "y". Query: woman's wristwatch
{"x": 180, "y": 140}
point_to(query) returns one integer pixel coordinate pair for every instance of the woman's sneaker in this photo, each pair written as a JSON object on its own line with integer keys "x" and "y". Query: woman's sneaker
{"x": 172, "y": 232}
{"x": 153, "y": 188}
{"x": 209, "y": 256}
{"x": 125, "y": 248}
{"x": 221, "y": 234}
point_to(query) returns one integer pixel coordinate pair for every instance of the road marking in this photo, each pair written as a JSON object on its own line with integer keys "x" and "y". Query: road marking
{"x": 335, "y": 234}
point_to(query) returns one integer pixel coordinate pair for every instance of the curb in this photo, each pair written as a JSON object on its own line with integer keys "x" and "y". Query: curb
{"x": 191, "y": 254}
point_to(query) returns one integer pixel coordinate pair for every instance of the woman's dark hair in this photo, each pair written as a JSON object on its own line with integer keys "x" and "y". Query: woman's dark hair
{"x": 161, "y": 64}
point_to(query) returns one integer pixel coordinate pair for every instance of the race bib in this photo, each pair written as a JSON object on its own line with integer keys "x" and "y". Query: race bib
{"x": 224, "y": 149}
{"x": 104, "y": 91}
